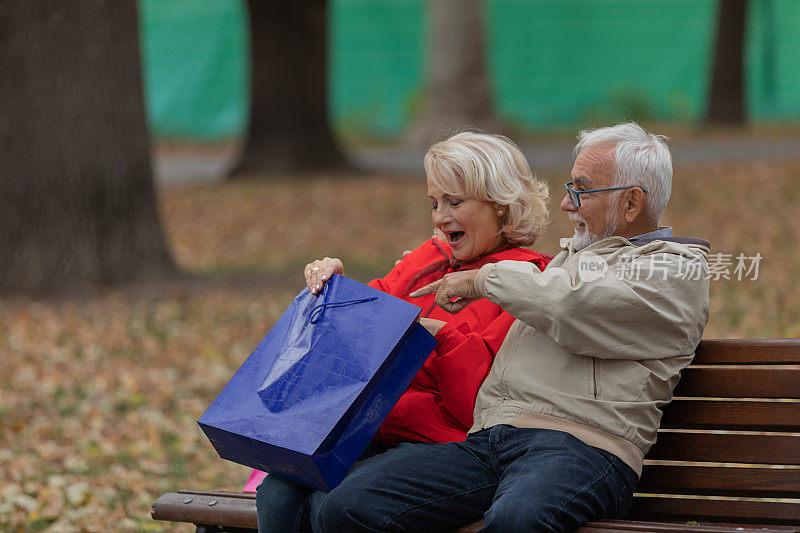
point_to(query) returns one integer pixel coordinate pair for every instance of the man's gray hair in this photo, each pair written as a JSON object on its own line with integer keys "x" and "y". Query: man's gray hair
{"x": 641, "y": 159}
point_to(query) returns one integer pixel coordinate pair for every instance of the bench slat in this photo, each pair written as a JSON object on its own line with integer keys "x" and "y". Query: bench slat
{"x": 715, "y": 509}
{"x": 606, "y": 526}
{"x": 238, "y": 510}
{"x": 748, "y": 351}
{"x": 731, "y": 481}
{"x": 740, "y": 382}
{"x": 742, "y": 415}
{"x": 230, "y": 509}
{"x": 609, "y": 526}
{"x": 727, "y": 448}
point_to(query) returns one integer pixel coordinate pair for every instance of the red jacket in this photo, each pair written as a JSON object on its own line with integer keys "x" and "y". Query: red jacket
{"x": 438, "y": 404}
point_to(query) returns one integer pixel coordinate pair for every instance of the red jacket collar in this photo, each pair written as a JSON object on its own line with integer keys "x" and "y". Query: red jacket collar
{"x": 511, "y": 254}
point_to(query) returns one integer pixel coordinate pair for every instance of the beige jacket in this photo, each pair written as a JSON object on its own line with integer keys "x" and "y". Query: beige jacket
{"x": 596, "y": 350}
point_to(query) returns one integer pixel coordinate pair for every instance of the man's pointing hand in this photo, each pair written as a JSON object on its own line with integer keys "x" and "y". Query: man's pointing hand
{"x": 458, "y": 285}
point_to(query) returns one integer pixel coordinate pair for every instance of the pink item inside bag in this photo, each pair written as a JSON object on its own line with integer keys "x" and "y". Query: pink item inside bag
{"x": 255, "y": 479}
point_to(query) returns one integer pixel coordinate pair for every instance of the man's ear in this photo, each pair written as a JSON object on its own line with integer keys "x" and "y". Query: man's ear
{"x": 633, "y": 204}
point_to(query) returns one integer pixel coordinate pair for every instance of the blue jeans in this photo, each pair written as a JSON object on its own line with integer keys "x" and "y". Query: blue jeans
{"x": 516, "y": 479}
{"x": 284, "y": 506}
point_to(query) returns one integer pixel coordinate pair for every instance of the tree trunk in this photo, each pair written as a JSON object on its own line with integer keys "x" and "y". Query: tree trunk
{"x": 457, "y": 91}
{"x": 726, "y": 97}
{"x": 289, "y": 130}
{"x": 77, "y": 198}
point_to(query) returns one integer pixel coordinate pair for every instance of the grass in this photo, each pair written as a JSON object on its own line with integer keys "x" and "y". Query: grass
{"x": 99, "y": 395}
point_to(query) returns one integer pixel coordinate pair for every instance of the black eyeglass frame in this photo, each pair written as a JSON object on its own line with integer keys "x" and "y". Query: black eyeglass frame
{"x": 575, "y": 196}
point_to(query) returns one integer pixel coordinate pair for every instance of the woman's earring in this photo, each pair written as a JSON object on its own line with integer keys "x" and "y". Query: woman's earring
{"x": 500, "y": 213}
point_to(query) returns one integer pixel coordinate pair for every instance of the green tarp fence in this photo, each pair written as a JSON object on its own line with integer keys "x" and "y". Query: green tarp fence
{"x": 553, "y": 63}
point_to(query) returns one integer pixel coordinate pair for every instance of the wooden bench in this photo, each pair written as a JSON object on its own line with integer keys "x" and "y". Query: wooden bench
{"x": 727, "y": 456}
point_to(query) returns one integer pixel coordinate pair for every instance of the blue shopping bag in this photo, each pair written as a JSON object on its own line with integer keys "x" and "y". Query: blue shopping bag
{"x": 307, "y": 401}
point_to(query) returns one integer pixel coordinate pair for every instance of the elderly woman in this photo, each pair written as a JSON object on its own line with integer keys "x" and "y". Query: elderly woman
{"x": 486, "y": 204}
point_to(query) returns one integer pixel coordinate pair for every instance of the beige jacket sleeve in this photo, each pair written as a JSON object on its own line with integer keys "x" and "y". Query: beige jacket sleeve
{"x": 610, "y": 317}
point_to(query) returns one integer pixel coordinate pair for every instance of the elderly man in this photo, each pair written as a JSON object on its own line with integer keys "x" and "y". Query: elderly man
{"x": 572, "y": 402}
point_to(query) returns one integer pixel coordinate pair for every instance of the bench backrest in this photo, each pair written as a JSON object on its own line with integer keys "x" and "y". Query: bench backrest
{"x": 729, "y": 447}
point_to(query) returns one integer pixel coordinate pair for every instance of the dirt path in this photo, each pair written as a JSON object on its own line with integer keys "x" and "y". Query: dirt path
{"x": 177, "y": 166}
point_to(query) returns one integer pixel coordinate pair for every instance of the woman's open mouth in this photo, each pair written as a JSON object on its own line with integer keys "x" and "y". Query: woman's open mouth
{"x": 454, "y": 236}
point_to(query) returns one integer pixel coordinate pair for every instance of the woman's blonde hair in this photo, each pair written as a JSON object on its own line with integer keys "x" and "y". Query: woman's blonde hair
{"x": 492, "y": 168}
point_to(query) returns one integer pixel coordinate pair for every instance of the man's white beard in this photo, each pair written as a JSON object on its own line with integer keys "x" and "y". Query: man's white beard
{"x": 585, "y": 238}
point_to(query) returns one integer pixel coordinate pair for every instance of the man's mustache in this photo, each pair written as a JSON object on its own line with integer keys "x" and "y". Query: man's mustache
{"x": 576, "y": 217}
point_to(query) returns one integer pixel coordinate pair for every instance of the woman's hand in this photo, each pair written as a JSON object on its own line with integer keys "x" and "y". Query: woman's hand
{"x": 432, "y": 325}
{"x": 320, "y": 271}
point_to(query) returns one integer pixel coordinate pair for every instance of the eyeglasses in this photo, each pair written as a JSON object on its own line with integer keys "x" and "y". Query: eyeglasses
{"x": 575, "y": 196}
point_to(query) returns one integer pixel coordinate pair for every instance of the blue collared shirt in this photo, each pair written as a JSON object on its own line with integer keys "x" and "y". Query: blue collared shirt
{"x": 660, "y": 233}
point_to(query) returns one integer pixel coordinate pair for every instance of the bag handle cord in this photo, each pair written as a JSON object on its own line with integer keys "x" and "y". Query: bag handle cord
{"x": 316, "y": 314}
